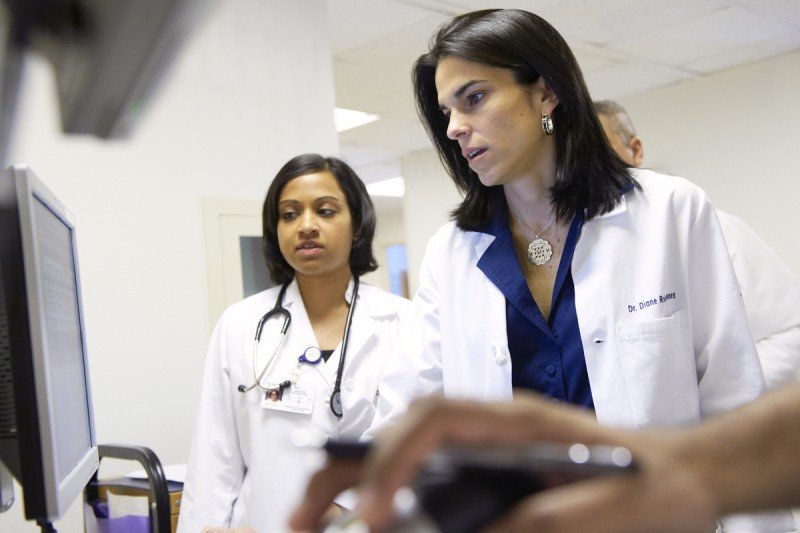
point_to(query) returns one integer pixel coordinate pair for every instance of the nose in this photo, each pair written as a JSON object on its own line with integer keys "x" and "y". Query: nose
{"x": 308, "y": 224}
{"x": 457, "y": 126}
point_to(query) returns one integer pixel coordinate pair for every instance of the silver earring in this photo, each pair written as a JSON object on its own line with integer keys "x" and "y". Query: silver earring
{"x": 547, "y": 124}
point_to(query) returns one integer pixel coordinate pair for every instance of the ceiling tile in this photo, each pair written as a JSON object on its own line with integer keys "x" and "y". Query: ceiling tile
{"x": 402, "y": 135}
{"x": 355, "y": 22}
{"x": 382, "y": 164}
{"x": 398, "y": 46}
{"x": 384, "y": 91}
{"x": 717, "y": 33}
{"x": 610, "y": 21}
{"x": 591, "y": 59}
{"x": 627, "y": 78}
{"x": 747, "y": 54}
{"x": 787, "y": 11}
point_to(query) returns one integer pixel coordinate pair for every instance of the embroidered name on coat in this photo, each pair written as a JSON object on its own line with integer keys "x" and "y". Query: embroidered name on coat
{"x": 644, "y": 304}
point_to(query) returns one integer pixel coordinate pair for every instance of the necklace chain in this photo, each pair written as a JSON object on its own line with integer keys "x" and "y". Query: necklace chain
{"x": 539, "y": 250}
{"x": 535, "y": 235}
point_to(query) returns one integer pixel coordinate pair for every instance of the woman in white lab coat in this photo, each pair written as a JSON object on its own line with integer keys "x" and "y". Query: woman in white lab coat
{"x": 563, "y": 271}
{"x": 245, "y": 468}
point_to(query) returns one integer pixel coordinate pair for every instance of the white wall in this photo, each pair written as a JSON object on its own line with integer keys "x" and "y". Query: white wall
{"x": 390, "y": 230}
{"x": 222, "y": 127}
{"x": 736, "y": 135}
{"x": 430, "y": 196}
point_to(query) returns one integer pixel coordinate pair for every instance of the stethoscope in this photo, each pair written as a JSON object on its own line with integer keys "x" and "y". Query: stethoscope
{"x": 311, "y": 355}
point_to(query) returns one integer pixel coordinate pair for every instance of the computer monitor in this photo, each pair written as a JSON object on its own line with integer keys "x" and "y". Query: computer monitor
{"x": 47, "y": 437}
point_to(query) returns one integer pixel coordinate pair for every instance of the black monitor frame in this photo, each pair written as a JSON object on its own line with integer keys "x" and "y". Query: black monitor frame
{"x": 28, "y": 436}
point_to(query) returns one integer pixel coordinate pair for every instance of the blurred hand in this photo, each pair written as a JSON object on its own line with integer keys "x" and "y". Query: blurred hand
{"x": 666, "y": 495}
{"x": 430, "y": 423}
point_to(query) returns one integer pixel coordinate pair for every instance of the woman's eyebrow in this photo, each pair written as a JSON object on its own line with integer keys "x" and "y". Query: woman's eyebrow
{"x": 461, "y": 90}
{"x": 326, "y": 199}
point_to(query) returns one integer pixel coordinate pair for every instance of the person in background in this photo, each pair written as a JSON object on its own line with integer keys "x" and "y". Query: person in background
{"x": 770, "y": 290}
{"x": 741, "y": 461}
{"x": 244, "y": 470}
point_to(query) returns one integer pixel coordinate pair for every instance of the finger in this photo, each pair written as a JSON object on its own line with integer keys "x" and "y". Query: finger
{"x": 610, "y": 505}
{"x": 568, "y": 509}
{"x": 433, "y": 422}
{"x": 402, "y": 449}
{"x": 323, "y": 487}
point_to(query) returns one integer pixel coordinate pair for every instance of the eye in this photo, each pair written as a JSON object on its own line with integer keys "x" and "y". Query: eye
{"x": 475, "y": 98}
{"x": 326, "y": 212}
{"x": 288, "y": 215}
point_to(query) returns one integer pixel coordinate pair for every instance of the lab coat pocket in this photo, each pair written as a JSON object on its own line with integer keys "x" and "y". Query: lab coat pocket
{"x": 657, "y": 360}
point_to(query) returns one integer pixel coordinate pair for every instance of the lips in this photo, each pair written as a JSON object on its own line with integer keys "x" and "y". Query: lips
{"x": 308, "y": 245}
{"x": 471, "y": 153}
{"x": 309, "y": 249}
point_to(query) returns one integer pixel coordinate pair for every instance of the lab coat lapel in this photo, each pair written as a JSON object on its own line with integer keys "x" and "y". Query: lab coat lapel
{"x": 300, "y": 331}
{"x": 360, "y": 333}
{"x": 495, "y": 327}
{"x": 361, "y": 330}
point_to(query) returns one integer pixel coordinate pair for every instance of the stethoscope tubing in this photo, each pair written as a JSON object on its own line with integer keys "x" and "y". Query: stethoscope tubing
{"x": 335, "y": 402}
{"x": 336, "y": 396}
{"x": 278, "y": 309}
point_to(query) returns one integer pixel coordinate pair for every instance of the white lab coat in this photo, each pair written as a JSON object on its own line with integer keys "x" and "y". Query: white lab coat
{"x": 663, "y": 326}
{"x": 771, "y": 293}
{"x": 243, "y": 468}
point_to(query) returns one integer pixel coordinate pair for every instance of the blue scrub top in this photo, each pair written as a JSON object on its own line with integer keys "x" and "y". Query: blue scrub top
{"x": 546, "y": 355}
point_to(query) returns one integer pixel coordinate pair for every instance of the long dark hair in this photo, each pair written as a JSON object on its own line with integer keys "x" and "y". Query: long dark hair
{"x": 589, "y": 175}
{"x": 362, "y": 213}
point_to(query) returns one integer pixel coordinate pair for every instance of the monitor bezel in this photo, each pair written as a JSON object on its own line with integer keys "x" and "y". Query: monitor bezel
{"x": 57, "y": 496}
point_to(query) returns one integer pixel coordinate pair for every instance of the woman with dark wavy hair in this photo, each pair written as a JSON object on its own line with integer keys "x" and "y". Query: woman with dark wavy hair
{"x": 316, "y": 371}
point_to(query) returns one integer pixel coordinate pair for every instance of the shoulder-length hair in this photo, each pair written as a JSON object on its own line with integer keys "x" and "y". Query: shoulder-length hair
{"x": 362, "y": 213}
{"x": 589, "y": 175}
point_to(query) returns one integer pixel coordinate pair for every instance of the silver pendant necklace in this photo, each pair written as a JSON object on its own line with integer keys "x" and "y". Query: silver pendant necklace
{"x": 539, "y": 250}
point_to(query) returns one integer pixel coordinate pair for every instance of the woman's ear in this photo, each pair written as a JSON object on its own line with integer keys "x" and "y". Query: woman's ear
{"x": 546, "y": 96}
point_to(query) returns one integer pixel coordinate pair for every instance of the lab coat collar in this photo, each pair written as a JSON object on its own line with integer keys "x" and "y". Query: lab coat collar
{"x": 618, "y": 209}
{"x": 361, "y": 332}
{"x": 622, "y": 205}
{"x": 300, "y": 330}
{"x": 483, "y": 243}
{"x": 370, "y": 306}
{"x": 292, "y": 295}
{"x": 371, "y": 299}
{"x": 375, "y": 306}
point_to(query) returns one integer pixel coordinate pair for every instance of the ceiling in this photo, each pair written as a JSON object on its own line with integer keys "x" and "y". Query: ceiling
{"x": 623, "y": 46}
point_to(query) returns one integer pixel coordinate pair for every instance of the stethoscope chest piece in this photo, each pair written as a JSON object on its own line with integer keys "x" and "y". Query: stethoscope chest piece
{"x": 336, "y": 403}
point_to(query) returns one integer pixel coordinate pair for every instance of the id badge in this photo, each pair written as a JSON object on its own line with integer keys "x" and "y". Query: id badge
{"x": 292, "y": 399}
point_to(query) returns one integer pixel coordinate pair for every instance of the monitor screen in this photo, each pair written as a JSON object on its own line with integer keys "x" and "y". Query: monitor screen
{"x": 50, "y": 445}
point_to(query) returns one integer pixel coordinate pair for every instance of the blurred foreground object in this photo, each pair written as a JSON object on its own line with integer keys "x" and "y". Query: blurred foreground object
{"x": 108, "y": 57}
